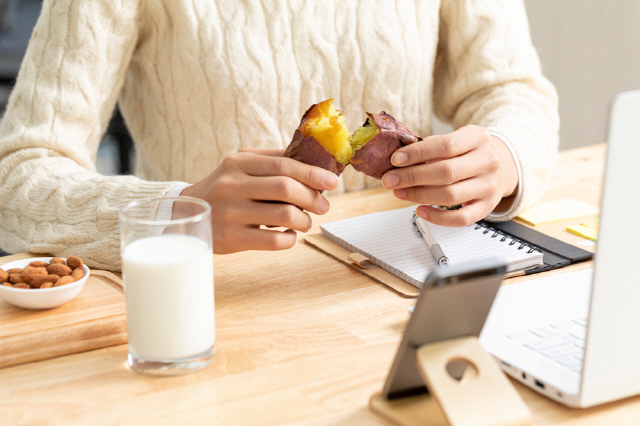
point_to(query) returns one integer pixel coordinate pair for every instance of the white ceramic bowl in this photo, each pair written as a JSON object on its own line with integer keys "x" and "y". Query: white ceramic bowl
{"x": 41, "y": 298}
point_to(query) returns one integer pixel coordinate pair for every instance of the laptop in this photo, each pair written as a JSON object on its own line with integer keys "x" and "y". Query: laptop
{"x": 575, "y": 337}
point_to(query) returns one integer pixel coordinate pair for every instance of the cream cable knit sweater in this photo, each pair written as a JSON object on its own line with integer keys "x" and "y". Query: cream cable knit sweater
{"x": 198, "y": 80}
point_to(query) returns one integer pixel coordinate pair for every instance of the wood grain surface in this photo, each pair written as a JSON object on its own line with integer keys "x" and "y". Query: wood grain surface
{"x": 93, "y": 319}
{"x": 456, "y": 402}
{"x": 301, "y": 340}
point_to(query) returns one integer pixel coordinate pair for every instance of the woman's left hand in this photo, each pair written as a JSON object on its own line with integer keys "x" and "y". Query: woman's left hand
{"x": 467, "y": 167}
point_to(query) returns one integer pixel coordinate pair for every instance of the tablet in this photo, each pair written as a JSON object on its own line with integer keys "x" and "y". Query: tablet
{"x": 454, "y": 302}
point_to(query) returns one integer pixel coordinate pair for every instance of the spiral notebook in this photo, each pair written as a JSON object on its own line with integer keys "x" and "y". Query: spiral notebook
{"x": 390, "y": 240}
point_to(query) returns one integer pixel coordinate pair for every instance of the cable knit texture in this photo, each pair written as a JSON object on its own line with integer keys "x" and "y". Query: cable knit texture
{"x": 197, "y": 80}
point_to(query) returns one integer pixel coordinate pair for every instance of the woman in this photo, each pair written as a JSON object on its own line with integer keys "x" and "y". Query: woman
{"x": 212, "y": 92}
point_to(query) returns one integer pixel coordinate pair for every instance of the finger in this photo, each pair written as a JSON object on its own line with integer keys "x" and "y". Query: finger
{"x": 438, "y": 172}
{"x": 311, "y": 176}
{"x": 271, "y": 214}
{"x": 470, "y": 213}
{"x": 446, "y": 195}
{"x": 267, "y": 152}
{"x": 260, "y": 239}
{"x": 288, "y": 190}
{"x": 439, "y": 147}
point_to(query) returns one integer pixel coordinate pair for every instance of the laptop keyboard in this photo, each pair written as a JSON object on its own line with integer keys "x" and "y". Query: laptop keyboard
{"x": 563, "y": 341}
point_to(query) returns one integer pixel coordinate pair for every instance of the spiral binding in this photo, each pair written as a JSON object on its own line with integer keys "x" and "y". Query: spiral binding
{"x": 505, "y": 237}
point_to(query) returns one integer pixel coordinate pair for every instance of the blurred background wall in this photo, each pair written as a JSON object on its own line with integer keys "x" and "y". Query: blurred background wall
{"x": 590, "y": 50}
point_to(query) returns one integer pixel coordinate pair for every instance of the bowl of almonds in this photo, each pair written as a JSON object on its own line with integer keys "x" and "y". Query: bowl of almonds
{"x": 43, "y": 282}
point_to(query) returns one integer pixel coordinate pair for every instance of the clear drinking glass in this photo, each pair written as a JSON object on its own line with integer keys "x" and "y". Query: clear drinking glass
{"x": 167, "y": 269}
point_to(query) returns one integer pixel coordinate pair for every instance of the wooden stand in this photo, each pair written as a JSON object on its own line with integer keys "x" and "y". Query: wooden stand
{"x": 483, "y": 397}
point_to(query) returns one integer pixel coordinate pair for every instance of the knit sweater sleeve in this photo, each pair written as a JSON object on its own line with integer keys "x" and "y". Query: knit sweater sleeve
{"x": 487, "y": 73}
{"x": 52, "y": 199}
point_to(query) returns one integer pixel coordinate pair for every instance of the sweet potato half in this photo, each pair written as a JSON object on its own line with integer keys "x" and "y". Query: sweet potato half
{"x": 375, "y": 142}
{"x": 323, "y": 140}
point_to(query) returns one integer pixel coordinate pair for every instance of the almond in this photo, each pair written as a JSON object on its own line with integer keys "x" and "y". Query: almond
{"x": 16, "y": 278}
{"x": 40, "y": 274}
{"x": 30, "y": 274}
{"x": 77, "y": 274}
{"x": 37, "y": 282}
{"x": 21, "y": 285}
{"x": 64, "y": 280}
{"x": 59, "y": 269}
{"x": 74, "y": 262}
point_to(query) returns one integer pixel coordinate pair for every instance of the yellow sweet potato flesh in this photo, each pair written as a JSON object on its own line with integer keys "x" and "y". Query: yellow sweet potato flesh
{"x": 327, "y": 126}
{"x": 362, "y": 135}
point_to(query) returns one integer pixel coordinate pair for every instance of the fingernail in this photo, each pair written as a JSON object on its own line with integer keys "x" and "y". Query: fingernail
{"x": 390, "y": 180}
{"x": 330, "y": 180}
{"x": 400, "y": 193}
{"x": 399, "y": 158}
{"x": 422, "y": 213}
{"x": 324, "y": 206}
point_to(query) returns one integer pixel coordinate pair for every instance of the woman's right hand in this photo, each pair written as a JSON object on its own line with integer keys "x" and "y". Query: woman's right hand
{"x": 261, "y": 187}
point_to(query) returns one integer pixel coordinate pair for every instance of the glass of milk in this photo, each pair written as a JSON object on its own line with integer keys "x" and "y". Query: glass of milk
{"x": 167, "y": 269}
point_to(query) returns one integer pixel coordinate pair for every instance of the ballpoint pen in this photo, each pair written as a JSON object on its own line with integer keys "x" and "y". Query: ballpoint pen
{"x": 435, "y": 248}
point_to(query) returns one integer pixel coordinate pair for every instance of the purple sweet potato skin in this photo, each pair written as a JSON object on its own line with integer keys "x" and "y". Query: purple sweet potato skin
{"x": 309, "y": 151}
{"x": 374, "y": 158}
{"x": 387, "y": 122}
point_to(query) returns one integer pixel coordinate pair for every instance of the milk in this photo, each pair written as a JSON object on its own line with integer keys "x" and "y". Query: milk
{"x": 168, "y": 283}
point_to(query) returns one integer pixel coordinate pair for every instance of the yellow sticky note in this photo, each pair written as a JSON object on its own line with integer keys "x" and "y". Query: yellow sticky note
{"x": 593, "y": 224}
{"x": 584, "y": 231}
{"x": 558, "y": 211}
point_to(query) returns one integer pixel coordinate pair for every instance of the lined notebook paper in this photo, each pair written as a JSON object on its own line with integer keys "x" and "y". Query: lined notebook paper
{"x": 391, "y": 241}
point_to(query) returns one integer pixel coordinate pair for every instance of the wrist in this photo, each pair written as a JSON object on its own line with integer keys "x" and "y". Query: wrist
{"x": 509, "y": 170}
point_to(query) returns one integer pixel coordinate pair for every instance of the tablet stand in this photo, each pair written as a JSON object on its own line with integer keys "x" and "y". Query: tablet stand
{"x": 483, "y": 397}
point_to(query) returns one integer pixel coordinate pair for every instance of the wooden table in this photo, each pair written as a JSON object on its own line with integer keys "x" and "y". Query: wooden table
{"x": 301, "y": 340}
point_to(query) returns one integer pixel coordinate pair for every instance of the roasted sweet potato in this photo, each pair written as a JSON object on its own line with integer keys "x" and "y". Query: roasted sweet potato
{"x": 321, "y": 139}
{"x": 375, "y": 142}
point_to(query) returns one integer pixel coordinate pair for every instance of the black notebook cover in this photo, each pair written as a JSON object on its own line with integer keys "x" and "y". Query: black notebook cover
{"x": 556, "y": 253}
